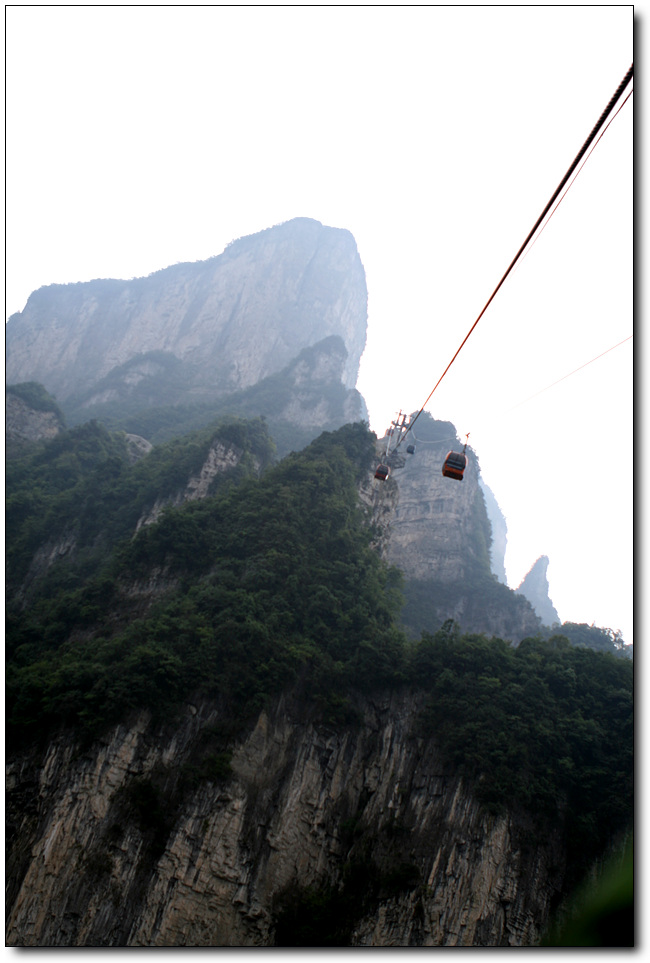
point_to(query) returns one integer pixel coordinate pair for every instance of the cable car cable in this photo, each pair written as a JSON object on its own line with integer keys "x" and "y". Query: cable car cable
{"x": 542, "y": 390}
{"x": 575, "y": 176}
{"x": 600, "y": 122}
{"x": 497, "y": 415}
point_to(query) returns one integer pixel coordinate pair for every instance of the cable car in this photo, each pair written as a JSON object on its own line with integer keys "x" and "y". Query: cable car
{"x": 454, "y": 465}
{"x": 410, "y": 449}
{"x": 382, "y": 472}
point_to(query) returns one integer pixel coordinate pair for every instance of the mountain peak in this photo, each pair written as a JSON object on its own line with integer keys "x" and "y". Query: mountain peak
{"x": 535, "y": 588}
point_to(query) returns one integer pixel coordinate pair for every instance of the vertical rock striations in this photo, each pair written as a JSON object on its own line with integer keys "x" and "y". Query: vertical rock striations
{"x": 438, "y": 532}
{"x": 105, "y": 850}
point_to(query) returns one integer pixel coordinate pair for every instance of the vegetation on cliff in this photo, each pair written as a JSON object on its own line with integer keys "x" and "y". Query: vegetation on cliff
{"x": 274, "y": 583}
{"x": 81, "y": 484}
{"x": 35, "y": 395}
{"x": 156, "y": 406}
{"x": 278, "y": 579}
{"x": 544, "y": 727}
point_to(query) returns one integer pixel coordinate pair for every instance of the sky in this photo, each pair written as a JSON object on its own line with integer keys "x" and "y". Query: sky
{"x": 139, "y": 137}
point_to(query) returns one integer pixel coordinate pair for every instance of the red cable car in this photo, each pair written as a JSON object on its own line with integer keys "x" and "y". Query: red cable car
{"x": 382, "y": 472}
{"x": 455, "y": 464}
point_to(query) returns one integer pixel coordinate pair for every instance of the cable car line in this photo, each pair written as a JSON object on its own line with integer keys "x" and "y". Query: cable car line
{"x": 575, "y": 176}
{"x": 576, "y": 161}
{"x": 500, "y": 414}
{"x": 563, "y": 378}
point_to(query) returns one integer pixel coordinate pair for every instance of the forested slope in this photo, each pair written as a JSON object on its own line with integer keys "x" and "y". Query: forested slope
{"x": 272, "y": 583}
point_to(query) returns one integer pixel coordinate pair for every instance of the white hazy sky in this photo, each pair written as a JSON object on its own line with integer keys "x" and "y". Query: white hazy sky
{"x": 140, "y": 136}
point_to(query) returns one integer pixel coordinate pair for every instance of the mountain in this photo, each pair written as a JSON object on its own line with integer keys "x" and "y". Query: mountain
{"x": 534, "y": 586}
{"x": 218, "y": 735}
{"x": 194, "y": 332}
{"x": 254, "y": 695}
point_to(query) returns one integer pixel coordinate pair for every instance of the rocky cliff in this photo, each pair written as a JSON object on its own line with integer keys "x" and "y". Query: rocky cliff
{"x": 499, "y": 533}
{"x": 439, "y": 533}
{"x": 115, "y": 846}
{"x": 195, "y": 331}
{"x": 26, "y": 423}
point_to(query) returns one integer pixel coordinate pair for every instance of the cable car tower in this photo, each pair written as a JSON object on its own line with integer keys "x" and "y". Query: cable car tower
{"x": 397, "y": 431}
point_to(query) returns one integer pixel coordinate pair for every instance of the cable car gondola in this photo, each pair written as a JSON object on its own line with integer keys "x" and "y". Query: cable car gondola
{"x": 410, "y": 449}
{"x": 382, "y": 472}
{"x": 456, "y": 462}
{"x": 454, "y": 465}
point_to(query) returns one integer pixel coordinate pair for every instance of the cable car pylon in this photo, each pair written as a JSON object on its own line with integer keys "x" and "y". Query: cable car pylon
{"x": 396, "y": 431}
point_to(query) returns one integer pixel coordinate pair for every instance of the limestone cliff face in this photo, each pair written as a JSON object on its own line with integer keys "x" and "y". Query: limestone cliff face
{"x": 433, "y": 527}
{"x": 438, "y": 532}
{"x": 228, "y": 321}
{"x": 209, "y": 866}
{"x": 535, "y": 588}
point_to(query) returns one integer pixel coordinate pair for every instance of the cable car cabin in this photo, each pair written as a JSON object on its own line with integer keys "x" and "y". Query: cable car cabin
{"x": 410, "y": 449}
{"x": 454, "y": 466}
{"x": 382, "y": 472}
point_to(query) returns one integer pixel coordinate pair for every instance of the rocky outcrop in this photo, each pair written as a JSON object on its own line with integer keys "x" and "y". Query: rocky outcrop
{"x": 200, "y": 330}
{"x": 317, "y": 399}
{"x": 535, "y": 588}
{"x": 46, "y": 555}
{"x": 24, "y": 424}
{"x": 137, "y": 448}
{"x": 438, "y": 532}
{"x": 220, "y": 458}
{"x": 104, "y": 849}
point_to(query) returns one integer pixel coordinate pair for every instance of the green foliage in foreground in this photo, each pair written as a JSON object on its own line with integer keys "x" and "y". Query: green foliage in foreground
{"x": 601, "y": 911}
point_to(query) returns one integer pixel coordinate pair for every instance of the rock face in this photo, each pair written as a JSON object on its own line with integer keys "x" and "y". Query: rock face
{"x": 104, "y": 849}
{"x": 212, "y": 327}
{"x": 439, "y": 533}
{"x": 23, "y": 423}
{"x": 220, "y": 458}
{"x": 535, "y": 588}
{"x": 499, "y": 533}
{"x": 433, "y": 528}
